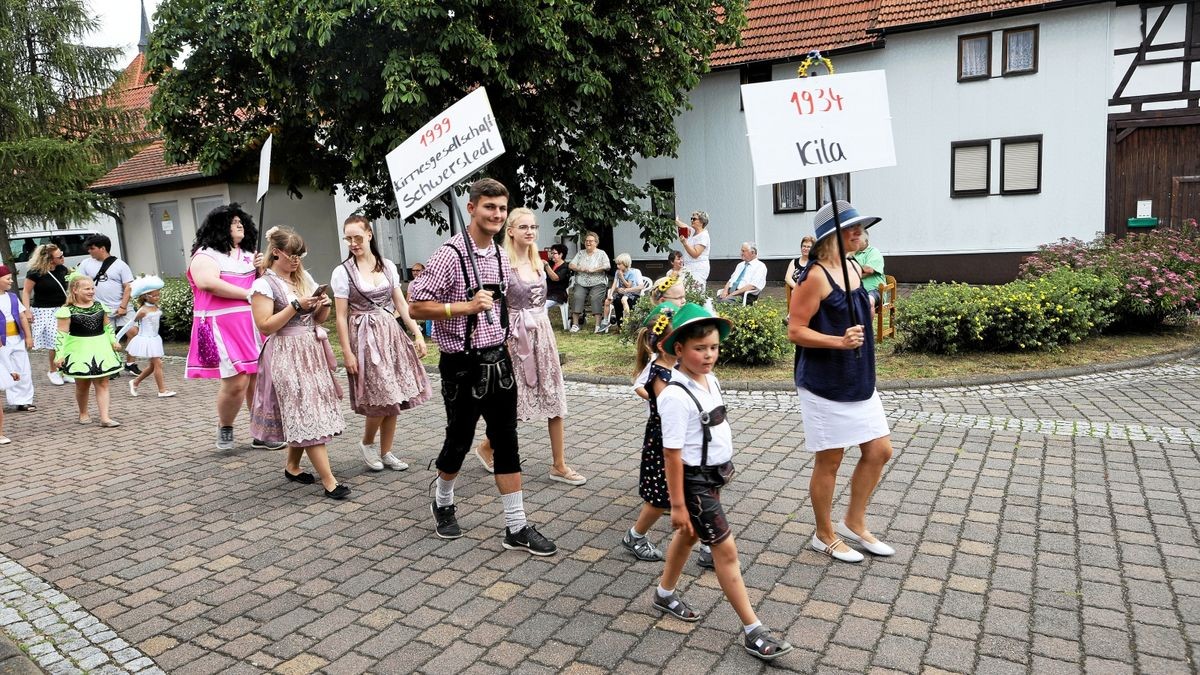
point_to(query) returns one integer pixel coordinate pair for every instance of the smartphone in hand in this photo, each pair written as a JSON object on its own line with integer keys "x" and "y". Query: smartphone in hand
{"x": 321, "y": 290}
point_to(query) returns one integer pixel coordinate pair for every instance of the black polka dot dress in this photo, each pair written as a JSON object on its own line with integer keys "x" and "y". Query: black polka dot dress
{"x": 652, "y": 487}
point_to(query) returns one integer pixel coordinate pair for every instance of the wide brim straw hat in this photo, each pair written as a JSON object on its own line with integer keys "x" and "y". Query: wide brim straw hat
{"x": 692, "y": 313}
{"x": 823, "y": 224}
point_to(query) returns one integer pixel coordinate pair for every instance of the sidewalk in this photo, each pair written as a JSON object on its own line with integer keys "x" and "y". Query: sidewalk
{"x": 1041, "y": 527}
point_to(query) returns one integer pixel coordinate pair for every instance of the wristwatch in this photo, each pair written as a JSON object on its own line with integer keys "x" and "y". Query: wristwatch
{"x": 296, "y": 306}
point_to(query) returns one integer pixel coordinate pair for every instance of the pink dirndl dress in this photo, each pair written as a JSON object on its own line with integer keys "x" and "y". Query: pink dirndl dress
{"x": 296, "y": 395}
{"x": 225, "y": 341}
{"x": 541, "y": 393}
{"x": 390, "y": 376}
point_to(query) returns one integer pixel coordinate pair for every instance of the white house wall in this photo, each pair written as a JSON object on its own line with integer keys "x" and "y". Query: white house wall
{"x": 1065, "y": 102}
{"x": 139, "y": 238}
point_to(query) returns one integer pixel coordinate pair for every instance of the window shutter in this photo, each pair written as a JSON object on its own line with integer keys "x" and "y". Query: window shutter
{"x": 1020, "y": 166}
{"x": 971, "y": 168}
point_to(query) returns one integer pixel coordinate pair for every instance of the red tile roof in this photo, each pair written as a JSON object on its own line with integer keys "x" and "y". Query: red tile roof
{"x": 134, "y": 75}
{"x": 146, "y": 168}
{"x": 787, "y": 29}
{"x": 910, "y": 14}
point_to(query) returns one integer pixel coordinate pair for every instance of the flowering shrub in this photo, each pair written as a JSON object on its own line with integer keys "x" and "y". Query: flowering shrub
{"x": 176, "y": 306}
{"x": 1061, "y": 307}
{"x": 1159, "y": 270}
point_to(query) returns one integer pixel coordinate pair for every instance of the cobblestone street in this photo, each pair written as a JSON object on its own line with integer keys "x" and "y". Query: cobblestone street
{"x": 1047, "y": 526}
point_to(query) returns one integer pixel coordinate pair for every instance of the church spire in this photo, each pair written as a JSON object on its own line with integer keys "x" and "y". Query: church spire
{"x": 144, "y": 40}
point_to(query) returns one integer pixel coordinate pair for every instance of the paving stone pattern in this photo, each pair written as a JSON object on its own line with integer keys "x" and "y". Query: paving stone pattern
{"x": 1041, "y": 527}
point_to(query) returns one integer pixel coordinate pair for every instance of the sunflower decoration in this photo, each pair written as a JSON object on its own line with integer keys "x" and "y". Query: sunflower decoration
{"x": 814, "y": 57}
{"x": 666, "y": 283}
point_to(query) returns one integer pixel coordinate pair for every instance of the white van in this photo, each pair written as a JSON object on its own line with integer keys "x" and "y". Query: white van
{"x": 70, "y": 241}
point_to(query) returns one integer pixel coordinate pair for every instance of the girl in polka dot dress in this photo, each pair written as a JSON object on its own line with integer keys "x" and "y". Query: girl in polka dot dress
{"x": 654, "y": 372}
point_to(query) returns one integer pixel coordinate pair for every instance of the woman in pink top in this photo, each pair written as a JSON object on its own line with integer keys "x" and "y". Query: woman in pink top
{"x": 225, "y": 343}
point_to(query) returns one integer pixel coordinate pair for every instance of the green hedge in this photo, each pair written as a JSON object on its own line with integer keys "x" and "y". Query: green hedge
{"x": 176, "y": 306}
{"x": 1061, "y": 307}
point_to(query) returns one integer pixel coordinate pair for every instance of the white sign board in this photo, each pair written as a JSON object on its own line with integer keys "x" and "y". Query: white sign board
{"x": 264, "y": 168}
{"x": 460, "y": 141}
{"x": 818, "y": 126}
{"x": 1145, "y": 208}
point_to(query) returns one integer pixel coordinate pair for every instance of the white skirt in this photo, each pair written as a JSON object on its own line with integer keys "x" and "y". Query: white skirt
{"x": 145, "y": 347}
{"x": 840, "y": 424}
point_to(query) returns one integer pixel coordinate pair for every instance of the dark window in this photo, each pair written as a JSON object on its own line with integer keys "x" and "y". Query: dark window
{"x": 841, "y": 184}
{"x": 970, "y": 168}
{"x": 790, "y": 196}
{"x": 1021, "y": 165}
{"x": 663, "y": 205}
{"x": 753, "y": 74}
{"x": 1021, "y": 50}
{"x": 974, "y": 57}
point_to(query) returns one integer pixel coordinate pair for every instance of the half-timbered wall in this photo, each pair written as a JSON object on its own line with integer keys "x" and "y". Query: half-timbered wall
{"x": 1154, "y": 114}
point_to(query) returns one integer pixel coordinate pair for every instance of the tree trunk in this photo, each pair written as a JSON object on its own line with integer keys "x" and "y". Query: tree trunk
{"x": 6, "y": 248}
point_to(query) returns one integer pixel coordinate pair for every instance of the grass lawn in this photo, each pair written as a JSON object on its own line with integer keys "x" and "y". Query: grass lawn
{"x": 607, "y": 355}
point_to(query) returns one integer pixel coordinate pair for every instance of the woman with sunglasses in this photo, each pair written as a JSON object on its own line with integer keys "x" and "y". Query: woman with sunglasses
{"x": 296, "y": 397}
{"x": 695, "y": 247}
{"x": 44, "y": 291}
{"x": 382, "y": 364}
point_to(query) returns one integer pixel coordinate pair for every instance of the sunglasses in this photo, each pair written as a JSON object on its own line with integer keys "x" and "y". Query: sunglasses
{"x": 354, "y": 239}
{"x": 294, "y": 258}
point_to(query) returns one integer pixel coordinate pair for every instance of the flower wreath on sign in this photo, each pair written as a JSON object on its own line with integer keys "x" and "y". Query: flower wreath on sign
{"x": 814, "y": 57}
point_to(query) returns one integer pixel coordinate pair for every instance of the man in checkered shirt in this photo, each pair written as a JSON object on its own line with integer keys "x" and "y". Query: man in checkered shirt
{"x": 462, "y": 291}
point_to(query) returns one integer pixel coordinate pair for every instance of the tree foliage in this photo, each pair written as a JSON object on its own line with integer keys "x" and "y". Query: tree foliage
{"x": 58, "y": 128}
{"x": 579, "y": 89}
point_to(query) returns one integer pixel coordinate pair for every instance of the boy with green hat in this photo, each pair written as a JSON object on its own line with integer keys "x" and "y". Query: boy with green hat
{"x": 698, "y": 453}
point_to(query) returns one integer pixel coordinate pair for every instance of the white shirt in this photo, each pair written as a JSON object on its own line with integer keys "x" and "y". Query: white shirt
{"x": 681, "y": 421}
{"x": 264, "y": 287}
{"x": 701, "y": 239}
{"x": 339, "y": 281}
{"x": 756, "y": 275}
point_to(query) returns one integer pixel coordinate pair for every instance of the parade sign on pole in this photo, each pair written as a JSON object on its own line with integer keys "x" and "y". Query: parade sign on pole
{"x": 818, "y": 126}
{"x": 264, "y": 168}
{"x": 453, "y": 145}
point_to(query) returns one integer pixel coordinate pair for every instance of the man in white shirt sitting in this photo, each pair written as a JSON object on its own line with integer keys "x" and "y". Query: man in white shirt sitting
{"x": 749, "y": 277}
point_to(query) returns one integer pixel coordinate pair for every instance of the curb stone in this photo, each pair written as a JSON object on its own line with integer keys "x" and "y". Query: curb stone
{"x": 941, "y": 382}
{"x": 13, "y": 661}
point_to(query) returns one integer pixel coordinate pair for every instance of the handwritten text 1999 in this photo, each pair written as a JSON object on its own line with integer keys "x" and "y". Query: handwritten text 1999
{"x": 435, "y": 132}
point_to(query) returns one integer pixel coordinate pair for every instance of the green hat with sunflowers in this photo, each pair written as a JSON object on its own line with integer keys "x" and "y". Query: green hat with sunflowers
{"x": 692, "y": 313}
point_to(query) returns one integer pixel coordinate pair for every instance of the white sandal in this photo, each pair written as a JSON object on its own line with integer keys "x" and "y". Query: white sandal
{"x": 831, "y": 550}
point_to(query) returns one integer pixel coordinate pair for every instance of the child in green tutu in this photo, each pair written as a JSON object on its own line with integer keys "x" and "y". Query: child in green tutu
{"x": 86, "y": 348}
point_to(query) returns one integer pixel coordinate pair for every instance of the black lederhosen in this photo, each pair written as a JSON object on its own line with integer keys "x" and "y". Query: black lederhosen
{"x": 479, "y": 383}
{"x": 702, "y": 484}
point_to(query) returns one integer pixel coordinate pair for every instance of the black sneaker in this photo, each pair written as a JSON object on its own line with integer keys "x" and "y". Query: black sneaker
{"x": 444, "y": 521}
{"x": 267, "y": 445}
{"x": 704, "y": 559}
{"x": 762, "y": 644}
{"x": 339, "y": 492}
{"x": 529, "y": 539}
{"x": 676, "y": 607}
{"x": 132, "y": 369}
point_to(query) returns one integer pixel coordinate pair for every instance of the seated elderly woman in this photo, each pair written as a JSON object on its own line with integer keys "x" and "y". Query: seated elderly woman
{"x": 627, "y": 286}
{"x": 590, "y": 267}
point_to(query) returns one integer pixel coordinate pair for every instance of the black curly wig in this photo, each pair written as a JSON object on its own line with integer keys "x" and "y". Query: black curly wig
{"x": 214, "y": 231}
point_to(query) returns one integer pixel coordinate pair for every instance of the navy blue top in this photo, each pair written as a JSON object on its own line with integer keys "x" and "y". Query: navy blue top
{"x": 836, "y": 374}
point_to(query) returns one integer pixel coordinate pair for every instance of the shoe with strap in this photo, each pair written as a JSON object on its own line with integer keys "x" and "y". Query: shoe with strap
{"x": 641, "y": 547}
{"x": 762, "y": 644}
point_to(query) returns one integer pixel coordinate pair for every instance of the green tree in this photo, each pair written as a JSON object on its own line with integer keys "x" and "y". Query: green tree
{"x": 579, "y": 89}
{"x": 58, "y": 129}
